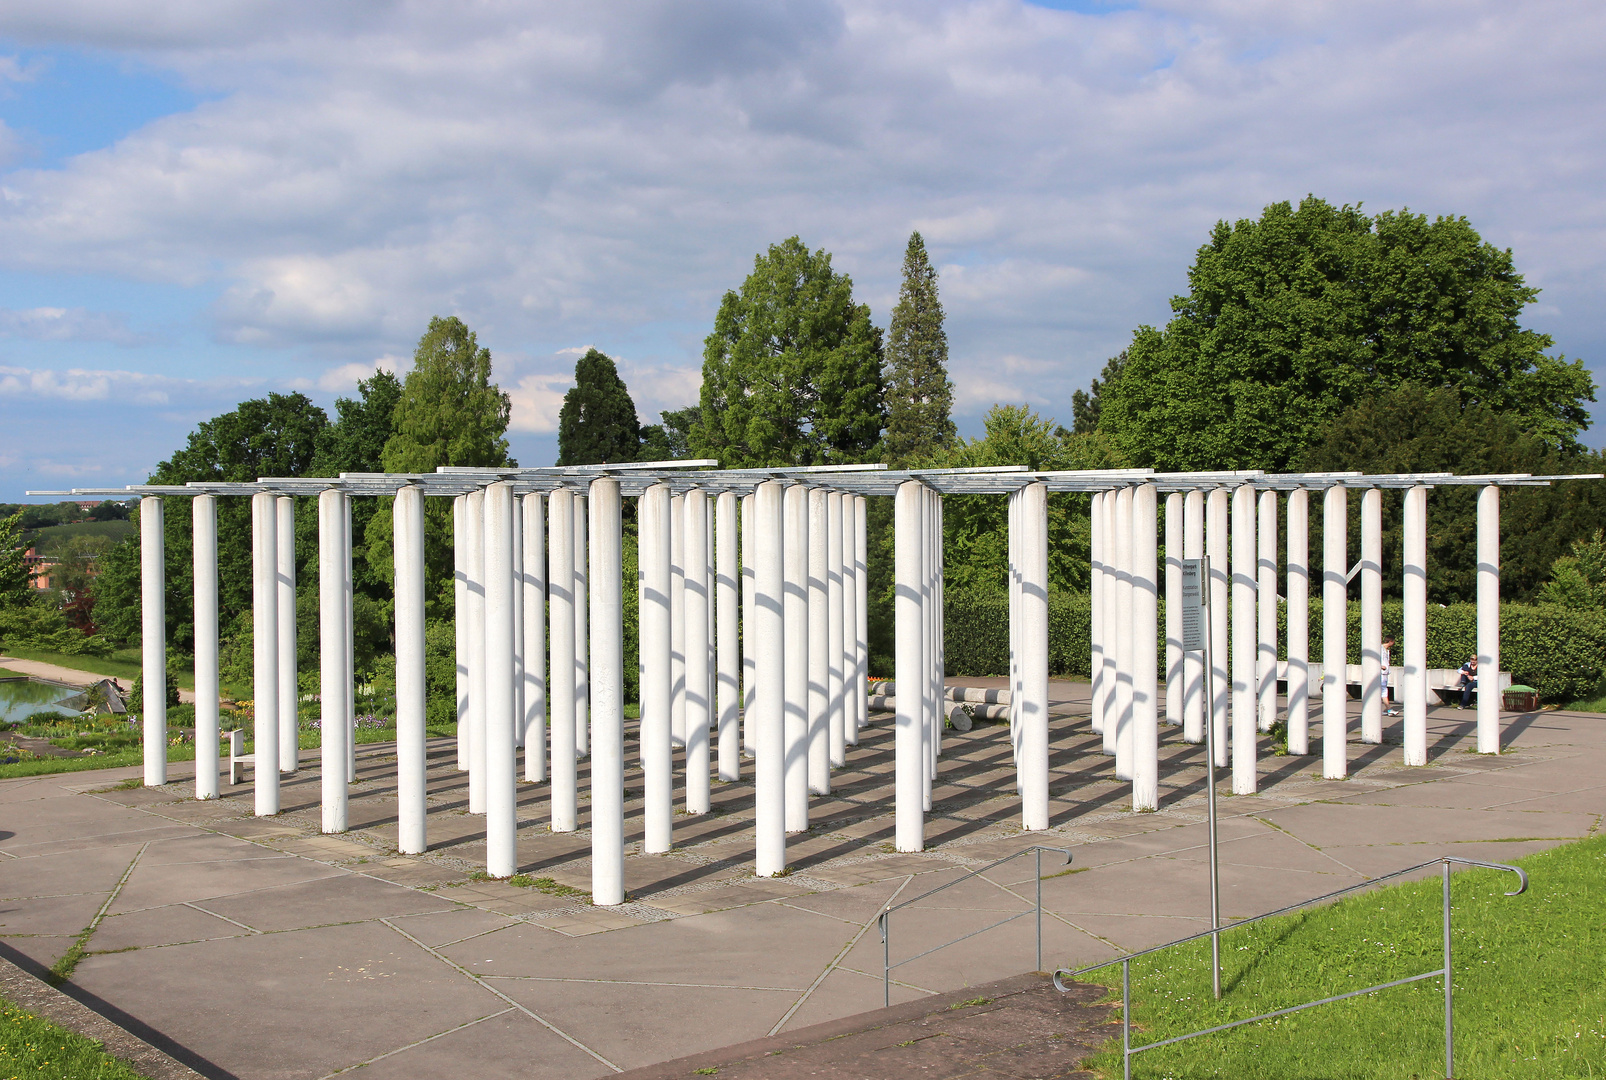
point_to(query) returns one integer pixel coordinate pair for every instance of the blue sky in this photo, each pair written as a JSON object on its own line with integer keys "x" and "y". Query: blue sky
{"x": 212, "y": 200}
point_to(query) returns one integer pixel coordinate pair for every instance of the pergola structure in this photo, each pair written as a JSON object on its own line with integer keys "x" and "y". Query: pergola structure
{"x": 760, "y": 645}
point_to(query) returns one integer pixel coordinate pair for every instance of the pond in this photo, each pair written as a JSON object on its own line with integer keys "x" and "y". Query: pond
{"x": 20, "y": 697}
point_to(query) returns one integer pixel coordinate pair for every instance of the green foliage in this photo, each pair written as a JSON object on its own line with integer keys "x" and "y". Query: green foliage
{"x": 355, "y": 442}
{"x": 670, "y": 440}
{"x": 52, "y": 538}
{"x": 42, "y": 626}
{"x": 976, "y": 633}
{"x": 1293, "y": 318}
{"x": 440, "y": 672}
{"x": 792, "y": 370}
{"x": 176, "y": 668}
{"x": 919, "y": 395}
{"x": 1578, "y": 580}
{"x": 1088, "y": 405}
{"x": 598, "y": 420}
{"x": 14, "y": 576}
{"x": 449, "y": 412}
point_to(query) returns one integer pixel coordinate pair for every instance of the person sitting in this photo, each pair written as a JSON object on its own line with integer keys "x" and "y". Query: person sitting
{"x": 1469, "y": 681}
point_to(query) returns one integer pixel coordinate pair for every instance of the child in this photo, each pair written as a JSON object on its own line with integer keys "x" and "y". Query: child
{"x": 1388, "y": 707}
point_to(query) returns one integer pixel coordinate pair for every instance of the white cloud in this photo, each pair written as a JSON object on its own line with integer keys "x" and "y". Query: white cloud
{"x": 42, "y": 385}
{"x": 69, "y": 324}
{"x": 537, "y": 400}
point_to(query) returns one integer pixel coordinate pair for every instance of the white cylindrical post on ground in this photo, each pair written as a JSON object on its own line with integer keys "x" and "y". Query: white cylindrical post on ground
{"x": 850, "y": 621}
{"x": 1112, "y": 628}
{"x": 1371, "y": 616}
{"x": 561, "y": 685}
{"x": 861, "y": 581}
{"x": 767, "y": 633}
{"x": 265, "y": 650}
{"x": 153, "y": 639}
{"x": 460, "y": 622}
{"x": 1098, "y": 552}
{"x": 699, "y": 694}
{"x": 518, "y": 627}
{"x": 607, "y": 696}
{"x": 203, "y": 527}
{"x": 1173, "y": 608}
{"x": 677, "y": 618}
{"x": 348, "y": 587}
{"x": 474, "y": 539}
{"x": 819, "y": 614}
{"x": 1193, "y": 684}
{"x": 1016, "y": 695}
{"x": 412, "y": 764}
{"x": 1124, "y": 628}
{"x": 1414, "y": 631}
{"x": 1217, "y": 508}
{"x": 796, "y": 608}
{"x": 726, "y": 638}
{"x": 1032, "y": 517}
{"x": 1266, "y": 607}
{"x": 1335, "y": 620}
{"x": 836, "y": 640}
{"x": 749, "y": 643}
{"x": 333, "y": 682}
{"x": 1299, "y": 621}
{"x": 653, "y": 523}
{"x": 1145, "y": 631}
{"x": 535, "y": 637}
{"x": 909, "y": 673}
{"x": 582, "y": 630}
{"x": 289, "y": 685}
{"x": 1489, "y": 620}
{"x": 501, "y": 763}
{"x": 1243, "y": 640}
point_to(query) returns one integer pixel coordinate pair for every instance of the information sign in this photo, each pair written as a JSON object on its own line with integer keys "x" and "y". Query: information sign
{"x": 1195, "y": 574}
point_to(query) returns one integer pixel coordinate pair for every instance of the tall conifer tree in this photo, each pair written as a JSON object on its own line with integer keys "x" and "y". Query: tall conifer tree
{"x": 919, "y": 395}
{"x": 598, "y": 421}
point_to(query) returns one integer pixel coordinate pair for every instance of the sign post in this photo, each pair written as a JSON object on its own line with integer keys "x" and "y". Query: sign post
{"x": 1196, "y": 638}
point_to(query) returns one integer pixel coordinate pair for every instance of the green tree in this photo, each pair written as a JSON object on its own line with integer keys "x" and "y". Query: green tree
{"x": 1086, "y": 405}
{"x": 598, "y": 421}
{"x": 355, "y": 442}
{"x": 1578, "y": 580}
{"x": 450, "y": 412}
{"x": 15, "y": 579}
{"x": 671, "y": 439}
{"x": 919, "y": 395}
{"x": 1291, "y": 319}
{"x": 792, "y": 370}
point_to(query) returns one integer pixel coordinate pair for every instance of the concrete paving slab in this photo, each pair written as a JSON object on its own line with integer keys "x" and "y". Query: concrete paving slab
{"x": 48, "y": 914}
{"x": 508, "y": 1045}
{"x": 94, "y": 871}
{"x": 1378, "y": 859}
{"x": 204, "y": 847}
{"x": 158, "y": 886}
{"x": 322, "y": 902}
{"x": 1336, "y": 824}
{"x": 161, "y": 926}
{"x": 438, "y": 928}
{"x": 42, "y": 949}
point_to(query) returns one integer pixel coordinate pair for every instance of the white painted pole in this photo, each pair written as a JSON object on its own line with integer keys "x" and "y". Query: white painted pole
{"x": 561, "y": 685}
{"x": 535, "y": 637}
{"x": 1371, "y": 616}
{"x": 1193, "y": 684}
{"x": 749, "y": 642}
{"x": 501, "y": 764}
{"x": 861, "y": 580}
{"x": 1243, "y": 640}
{"x": 348, "y": 587}
{"x": 153, "y": 638}
{"x": 850, "y": 621}
{"x": 1033, "y": 638}
{"x": 657, "y": 753}
{"x": 1299, "y": 621}
{"x": 726, "y": 637}
{"x": 265, "y": 649}
{"x": 699, "y": 694}
{"x": 1145, "y": 631}
{"x": 1124, "y": 628}
{"x": 1017, "y": 694}
{"x": 460, "y": 622}
{"x": 836, "y": 640}
{"x": 334, "y": 685}
{"x": 203, "y": 527}
{"x": 1173, "y": 608}
{"x": 677, "y": 618}
{"x": 1112, "y": 628}
{"x": 796, "y": 609}
{"x": 1217, "y": 541}
{"x": 412, "y": 763}
{"x": 289, "y": 685}
{"x": 1266, "y": 609}
{"x": 910, "y": 823}
{"x": 767, "y": 632}
{"x": 819, "y": 615}
{"x": 1415, "y": 628}
{"x": 607, "y": 670}
{"x": 1098, "y": 552}
{"x": 517, "y": 519}
{"x": 582, "y": 630}
{"x": 474, "y": 536}
{"x": 1489, "y": 620}
{"x": 1335, "y": 619}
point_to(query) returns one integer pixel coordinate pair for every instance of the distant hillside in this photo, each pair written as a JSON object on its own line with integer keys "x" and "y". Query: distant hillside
{"x": 46, "y": 540}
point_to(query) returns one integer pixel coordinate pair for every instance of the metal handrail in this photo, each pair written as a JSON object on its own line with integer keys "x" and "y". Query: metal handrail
{"x": 883, "y": 921}
{"x": 1127, "y": 1049}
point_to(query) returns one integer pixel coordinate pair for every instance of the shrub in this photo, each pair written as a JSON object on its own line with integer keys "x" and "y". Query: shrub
{"x": 43, "y": 627}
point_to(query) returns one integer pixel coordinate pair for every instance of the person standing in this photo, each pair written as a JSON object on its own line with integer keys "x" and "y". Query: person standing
{"x": 1388, "y": 701}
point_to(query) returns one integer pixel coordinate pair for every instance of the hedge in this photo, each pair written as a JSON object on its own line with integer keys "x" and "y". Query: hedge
{"x": 1559, "y": 651}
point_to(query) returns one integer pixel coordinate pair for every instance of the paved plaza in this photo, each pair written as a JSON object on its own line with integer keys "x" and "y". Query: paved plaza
{"x": 256, "y": 948}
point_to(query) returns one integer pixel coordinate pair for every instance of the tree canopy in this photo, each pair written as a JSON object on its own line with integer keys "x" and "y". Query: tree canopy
{"x": 449, "y": 412}
{"x": 355, "y": 442}
{"x": 792, "y": 370}
{"x": 598, "y": 421}
{"x": 1292, "y": 318}
{"x": 919, "y": 395}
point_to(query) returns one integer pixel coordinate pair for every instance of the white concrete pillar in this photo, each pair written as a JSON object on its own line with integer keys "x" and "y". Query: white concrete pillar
{"x": 1145, "y": 649}
{"x": 1193, "y": 681}
{"x": 501, "y": 763}
{"x": 935, "y": 713}
{"x": 153, "y": 638}
{"x": 412, "y": 765}
{"x": 1243, "y": 640}
{"x": 1112, "y": 628}
{"x": 1414, "y": 685}
{"x": 1335, "y": 632}
{"x": 850, "y": 622}
{"x": 535, "y": 637}
{"x": 698, "y": 691}
{"x": 265, "y": 650}
{"x": 1017, "y": 693}
{"x": 561, "y": 685}
{"x": 607, "y": 696}
{"x": 582, "y": 630}
{"x": 1299, "y": 621}
{"x": 348, "y": 585}
{"x": 289, "y": 684}
{"x": 1266, "y": 609}
{"x": 749, "y": 642}
{"x": 518, "y": 623}
{"x": 474, "y": 563}
{"x": 861, "y": 581}
{"x": 203, "y": 527}
{"x": 909, "y": 748}
{"x": 1124, "y": 626}
{"x": 1489, "y": 620}
{"x": 653, "y": 523}
{"x": 796, "y": 608}
{"x": 1173, "y": 608}
{"x": 1371, "y": 616}
{"x": 460, "y": 622}
{"x": 727, "y": 660}
{"x": 1098, "y": 553}
{"x": 334, "y": 685}
{"x": 1220, "y": 695}
{"x": 1032, "y": 548}
{"x": 819, "y": 615}
{"x": 766, "y": 630}
{"x": 677, "y": 618}
{"x": 836, "y": 640}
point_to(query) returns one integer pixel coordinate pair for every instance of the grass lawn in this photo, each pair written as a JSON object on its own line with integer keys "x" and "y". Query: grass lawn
{"x": 1530, "y": 989}
{"x": 31, "y": 1047}
{"x": 123, "y": 664}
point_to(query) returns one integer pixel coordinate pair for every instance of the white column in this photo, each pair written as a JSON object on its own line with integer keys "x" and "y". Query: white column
{"x": 909, "y": 799}
{"x": 749, "y": 642}
{"x": 412, "y": 765}
{"x": 517, "y": 519}
{"x": 153, "y": 638}
{"x": 1335, "y": 618}
{"x": 1032, "y": 548}
{"x": 1112, "y": 628}
{"x": 265, "y": 649}
{"x": 819, "y": 614}
{"x": 861, "y": 581}
{"x": 1016, "y": 693}
{"x": 1371, "y": 616}
{"x": 767, "y": 632}
{"x": 1299, "y": 621}
{"x": 561, "y": 684}
{"x": 289, "y": 685}
{"x": 460, "y": 622}
{"x": 850, "y": 622}
{"x": 932, "y": 534}
{"x": 677, "y": 618}
{"x": 1217, "y": 541}
{"x": 699, "y": 694}
{"x": 474, "y": 564}
{"x": 1415, "y": 628}
{"x": 582, "y": 631}
{"x": 1489, "y": 620}
{"x": 1124, "y": 599}
{"x": 607, "y": 671}
{"x": 1243, "y": 640}
{"x": 726, "y": 637}
{"x": 1098, "y": 552}
{"x": 1173, "y": 608}
{"x": 501, "y": 764}
{"x": 203, "y": 526}
{"x": 1145, "y": 632}
{"x": 334, "y": 684}
{"x": 657, "y": 754}
{"x": 348, "y": 587}
{"x": 796, "y": 609}
{"x": 535, "y": 637}
{"x": 1266, "y": 607}
{"x": 836, "y": 640}
{"x": 1193, "y": 684}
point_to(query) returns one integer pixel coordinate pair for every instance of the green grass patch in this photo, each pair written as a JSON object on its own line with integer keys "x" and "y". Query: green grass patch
{"x": 1530, "y": 992}
{"x": 119, "y": 665}
{"x": 38, "y": 1049}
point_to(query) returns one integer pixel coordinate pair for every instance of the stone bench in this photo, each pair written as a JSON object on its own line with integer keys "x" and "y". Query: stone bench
{"x": 238, "y": 758}
{"x": 1441, "y": 681}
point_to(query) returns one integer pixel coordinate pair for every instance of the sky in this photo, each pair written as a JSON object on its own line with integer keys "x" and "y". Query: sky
{"x": 202, "y": 201}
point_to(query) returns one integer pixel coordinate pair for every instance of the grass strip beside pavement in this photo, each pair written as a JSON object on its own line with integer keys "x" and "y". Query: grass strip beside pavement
{"x": 35, "y": 1048}
{"x": 1530, "y": 991}
{"x": 110, "y": 666}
